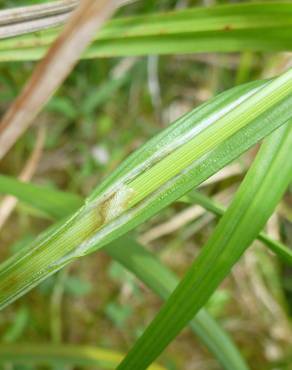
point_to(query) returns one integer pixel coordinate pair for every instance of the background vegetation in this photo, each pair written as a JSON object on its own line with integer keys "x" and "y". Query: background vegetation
{"x": 104, "y": 111}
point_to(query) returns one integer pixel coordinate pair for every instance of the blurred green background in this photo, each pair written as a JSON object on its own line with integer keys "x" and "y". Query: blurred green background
{"x": 104, "y": 110}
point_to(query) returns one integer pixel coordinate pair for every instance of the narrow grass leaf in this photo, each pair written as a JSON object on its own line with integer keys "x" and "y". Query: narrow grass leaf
{"x": 58, "y": 204}
{"x": 163, "y": 170}
{"x": 36, "y": 354}
{"x": 54, "y": 203}
{"x": 258, "y": 195}
{"x": 223, "y": 28}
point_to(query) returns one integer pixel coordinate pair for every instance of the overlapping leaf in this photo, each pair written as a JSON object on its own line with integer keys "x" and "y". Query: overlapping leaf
{"x": 258, "y": 195}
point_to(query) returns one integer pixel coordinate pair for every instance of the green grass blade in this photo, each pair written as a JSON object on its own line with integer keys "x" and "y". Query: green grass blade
{"x": 145, "y": 266}
{"x": 281, "y": 250}
{"x": 225, "y": 28}
{"x": 57, "y": 355}
{"x": 200, "y": 143}
{"x": 54, "y": 203}
{"x": 162, "y": 281}
{"x": 58, "y": 204}
{"x": 258, "y": 195}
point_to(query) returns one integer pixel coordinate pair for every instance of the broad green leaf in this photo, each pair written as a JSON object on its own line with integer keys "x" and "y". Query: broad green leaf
{"x": 225, "y": 28}
{"x": 37, "y": 354}
{"x": 258, "y": 195}
{"x": 167, "y": 167}
{"x": 57, "y": 204}
{"x": 148, "y": 269}
{"x": 54, "y": 203}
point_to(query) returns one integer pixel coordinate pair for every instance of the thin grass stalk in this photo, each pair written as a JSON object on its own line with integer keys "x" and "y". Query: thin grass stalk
{"x": 32, "y": 12}
{"x": 281, "y": 250}
{"x": 28, "y": 19}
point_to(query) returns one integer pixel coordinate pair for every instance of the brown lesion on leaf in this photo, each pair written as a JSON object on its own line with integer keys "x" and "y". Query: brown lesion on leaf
{"x": 227, "y": 27}
{"x": 115, "y": 204}
{"x": 104, "y": 206}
